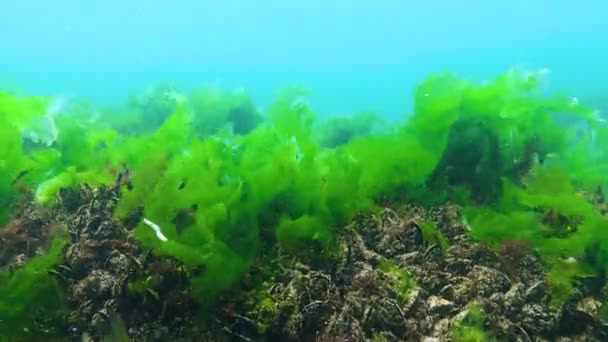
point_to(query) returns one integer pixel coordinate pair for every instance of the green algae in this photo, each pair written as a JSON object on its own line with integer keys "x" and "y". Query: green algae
{"x": 431, "y": 235}
{"x": 30, "y": 299}
{"x": 219, "y": 194}
{"x": 399, "y": 279}
{"x": 471, "y": 327}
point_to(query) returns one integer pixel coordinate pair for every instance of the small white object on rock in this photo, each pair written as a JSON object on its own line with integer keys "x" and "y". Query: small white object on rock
{"x": 156, "y": 228}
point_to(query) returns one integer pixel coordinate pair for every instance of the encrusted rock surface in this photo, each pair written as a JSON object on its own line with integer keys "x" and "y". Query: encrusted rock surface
{"x": 384, "y": 283}
{"x": 100, "y": 262}
{"x": 356, "y": 299}
{"x": 24, "y": 236}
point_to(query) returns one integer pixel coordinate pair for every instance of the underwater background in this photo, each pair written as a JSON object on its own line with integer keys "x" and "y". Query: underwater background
{"x": 303, "y": 171}
{"x": 354, "y": 55}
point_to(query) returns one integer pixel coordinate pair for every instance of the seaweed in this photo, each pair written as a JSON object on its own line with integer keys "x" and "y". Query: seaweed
{"x": 215, "y": 109}
{"x": 336, "y": 131}
{"x": 212, "y": 183}
{"x": 31, "y": 301}
{"x": 471, "y": 328}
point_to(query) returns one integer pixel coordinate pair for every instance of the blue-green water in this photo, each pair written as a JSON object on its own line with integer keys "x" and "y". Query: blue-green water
{"x": 199, "y": 213}
{"x": 354, "y": 55}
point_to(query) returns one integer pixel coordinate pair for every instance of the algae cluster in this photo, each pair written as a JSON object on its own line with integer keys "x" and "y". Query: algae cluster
{"x": 226, "y": 183}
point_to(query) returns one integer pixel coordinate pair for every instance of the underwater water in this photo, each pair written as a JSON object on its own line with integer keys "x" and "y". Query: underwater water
{"x": 343, "y": 171}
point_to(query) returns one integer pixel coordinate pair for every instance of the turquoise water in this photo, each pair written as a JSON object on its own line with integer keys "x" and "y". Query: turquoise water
{"x": 179, "y": 213}
{"x": 354, "y": 55}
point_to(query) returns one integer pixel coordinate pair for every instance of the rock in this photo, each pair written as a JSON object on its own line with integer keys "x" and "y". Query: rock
{"x": 99, "y": 322}
{"x": 434, "y": 281}
{"x": 459, "y": 266}
{"x": 100, "y": 284}
{"x": 496, "y": 302}
{"x": 531, "y": 270}
{"x": 536, "y": 292}
{"x": 537, "y": 320}
{"x": 459, "y": 317}
{"x": 430, "y": 339}
{"x": 341, "y": 327}
{"x": 589, "y": 306}
{"x": 409, "y": 258}
{"x": 494, "y": 279}
{"x": 514, "y": 300}
{"x": 366, "y": 278}
{"x": 447, "y": 292}
{"x": 347, "y": 299}
{"x": 401, "y": 237}
{"x": 441, "y": 328}
{"x": 384, "y": 314}
{"x": 580, "y": 317}
{"x": 439, "y": 306}
{"x": 412, "y": 300}
{"x": 413, "y": 234}
{"x": 483, "y": 282}
{"x": 118, "y": 262}
{"x": 18, "y": 261}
